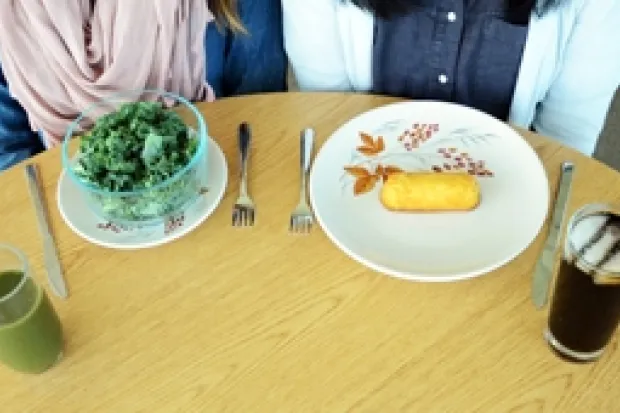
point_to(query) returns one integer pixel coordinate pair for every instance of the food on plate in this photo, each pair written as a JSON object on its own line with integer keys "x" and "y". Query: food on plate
{"x": 430, "y": 191}
{"x": 136, "y": 147}
{"x": 134, "y": 156}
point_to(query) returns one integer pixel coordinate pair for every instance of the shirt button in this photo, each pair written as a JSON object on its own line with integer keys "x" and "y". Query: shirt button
{"x": 443, "y": 79}
{"x": 451, "y": 16}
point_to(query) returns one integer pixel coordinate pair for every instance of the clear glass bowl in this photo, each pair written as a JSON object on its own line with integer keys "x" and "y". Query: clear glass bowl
{"x": 148, "y": 206}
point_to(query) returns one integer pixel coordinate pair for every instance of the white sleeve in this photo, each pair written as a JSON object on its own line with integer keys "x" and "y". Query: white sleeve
{"x": 329, "y": 44}
{"x": 575, "y": 107}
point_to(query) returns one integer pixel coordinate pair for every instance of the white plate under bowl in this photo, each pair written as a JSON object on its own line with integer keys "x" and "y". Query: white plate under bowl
{"x": 429, "y": 246}
{"x": 79, "y": 217}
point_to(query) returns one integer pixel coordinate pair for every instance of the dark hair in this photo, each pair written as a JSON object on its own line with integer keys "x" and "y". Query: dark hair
{"x": 225, "y": 12}
{"x": 391, "y": 8}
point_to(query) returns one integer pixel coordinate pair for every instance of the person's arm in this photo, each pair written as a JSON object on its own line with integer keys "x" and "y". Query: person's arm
{"x": 240, "y": 63}
{"x": 576, "y": 105}
{"x": 17, "y": 141}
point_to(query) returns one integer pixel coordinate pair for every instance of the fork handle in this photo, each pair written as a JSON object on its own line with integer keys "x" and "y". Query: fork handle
{"x": 245, "y": 135}
{"x": 306, "y": 146}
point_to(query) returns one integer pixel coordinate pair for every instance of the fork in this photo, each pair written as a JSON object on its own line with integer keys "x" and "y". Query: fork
{"x": 301, "y": 218}
{"x": 243, "y": 210}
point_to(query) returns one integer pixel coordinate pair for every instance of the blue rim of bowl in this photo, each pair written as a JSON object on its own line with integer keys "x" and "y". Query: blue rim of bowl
{"x": 202, "y": 148}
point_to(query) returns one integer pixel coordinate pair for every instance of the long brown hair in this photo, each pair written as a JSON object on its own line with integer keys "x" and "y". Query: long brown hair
{"x": 226, "y": 14}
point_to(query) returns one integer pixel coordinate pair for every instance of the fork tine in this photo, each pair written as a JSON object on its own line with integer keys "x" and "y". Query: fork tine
{"x": 237, "y": 216}
{"x": 243, "y": 216}
{"x": 298, "y": 224}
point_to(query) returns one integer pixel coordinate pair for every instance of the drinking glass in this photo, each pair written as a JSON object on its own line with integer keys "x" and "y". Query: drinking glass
{"x": 585, "y": 308}
{"x": 31, "y": 339}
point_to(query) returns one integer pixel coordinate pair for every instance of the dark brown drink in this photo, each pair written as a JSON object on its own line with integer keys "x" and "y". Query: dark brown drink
{"x": 585, "y": 310}
{"x": 584, "y": 315}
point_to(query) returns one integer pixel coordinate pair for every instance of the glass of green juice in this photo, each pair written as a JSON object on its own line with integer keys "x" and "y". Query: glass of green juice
{"x": 30, "y": 331}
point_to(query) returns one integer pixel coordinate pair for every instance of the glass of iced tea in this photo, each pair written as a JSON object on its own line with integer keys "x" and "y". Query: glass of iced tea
{"x": 585, "y": 309}
{"x": 31, "y": 339}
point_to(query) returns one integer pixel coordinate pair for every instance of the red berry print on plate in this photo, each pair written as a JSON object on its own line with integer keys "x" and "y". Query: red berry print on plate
{"x": 463, "y": 162}
{"x": 109, "y": 226}
{"x": 417, "y": 135}
{"x": 174, "y": 223}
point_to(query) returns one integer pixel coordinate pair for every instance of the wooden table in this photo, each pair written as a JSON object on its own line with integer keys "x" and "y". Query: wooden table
{"x": 257, "y": 320}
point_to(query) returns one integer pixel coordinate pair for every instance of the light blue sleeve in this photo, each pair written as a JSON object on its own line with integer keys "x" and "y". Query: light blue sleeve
{"x": 314, "y": 45}
{"x": 576, "y": 105}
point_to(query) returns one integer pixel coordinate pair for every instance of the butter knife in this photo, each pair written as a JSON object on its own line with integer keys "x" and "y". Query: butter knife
{"x": 543, "y": 272}
{"x": 50, "y": 253}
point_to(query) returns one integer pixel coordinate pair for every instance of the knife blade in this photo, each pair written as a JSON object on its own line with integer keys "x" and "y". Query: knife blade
{"x": 543, "y": 272}
{"x": 50, "y": 253}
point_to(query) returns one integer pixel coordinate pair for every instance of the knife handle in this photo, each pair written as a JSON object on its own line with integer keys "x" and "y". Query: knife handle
{"x": 543, "y": 272}
{"x": 50, "y": 253}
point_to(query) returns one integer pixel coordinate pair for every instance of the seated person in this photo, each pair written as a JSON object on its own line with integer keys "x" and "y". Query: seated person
{"x": 549, "y": 65}
{"x": 50, "y": 71}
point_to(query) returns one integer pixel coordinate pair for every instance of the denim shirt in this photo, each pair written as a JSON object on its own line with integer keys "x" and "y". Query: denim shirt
{"x": 237, "y": 64}
{"x": 464, "y": 51}
{"x": 240, "y": 64}
{"x": 17, "y": 141}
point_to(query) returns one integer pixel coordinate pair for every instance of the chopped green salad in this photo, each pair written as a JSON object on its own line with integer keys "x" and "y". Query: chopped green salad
{"x": 136, "y": 148}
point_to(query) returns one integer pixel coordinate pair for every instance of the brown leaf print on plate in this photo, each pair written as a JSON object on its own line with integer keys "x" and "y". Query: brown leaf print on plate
{"x": 357, "y": 171}
{"x": 365, "y": 184}
{"x": 365, "y": 181}
{"x": 385, "y": 171}
{"x": 367, "y": 139}
{"x": 371, "y": 147}
{"x": 391, "y": 170}
{"x": 380, "y": 144}
{"x": 368, "y": 173}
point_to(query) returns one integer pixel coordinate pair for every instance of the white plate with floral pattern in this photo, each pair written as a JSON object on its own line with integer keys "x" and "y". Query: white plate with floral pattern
{"x": 78, "y": 216}
{"x": 350, "y": 167}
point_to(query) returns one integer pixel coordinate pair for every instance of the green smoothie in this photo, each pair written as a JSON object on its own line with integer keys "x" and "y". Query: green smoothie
{"x": 33, "y": 342}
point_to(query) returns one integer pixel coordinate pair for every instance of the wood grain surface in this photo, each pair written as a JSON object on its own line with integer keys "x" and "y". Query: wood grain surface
{"x": 257, "y": 320}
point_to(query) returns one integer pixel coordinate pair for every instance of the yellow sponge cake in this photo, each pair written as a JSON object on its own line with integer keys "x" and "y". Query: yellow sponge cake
{"x": 430, "y": 191}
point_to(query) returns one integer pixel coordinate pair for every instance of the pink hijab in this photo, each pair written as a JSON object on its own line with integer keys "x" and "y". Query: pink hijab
{"x": 60, "y": 56}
